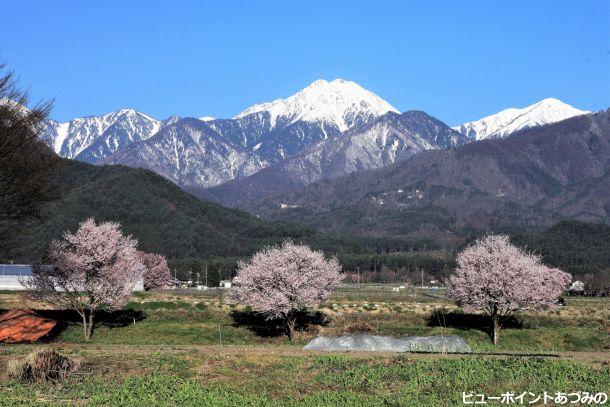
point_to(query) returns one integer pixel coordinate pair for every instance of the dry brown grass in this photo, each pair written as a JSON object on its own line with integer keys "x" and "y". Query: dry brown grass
{"x": 42, "y": 365}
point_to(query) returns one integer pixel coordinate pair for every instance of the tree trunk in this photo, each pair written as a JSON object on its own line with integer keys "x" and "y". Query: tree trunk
{"x": 89, "y": 327}
{"x": 290, "y": 323}
{"x": 495, "y": 329}
{"x": 85, "y": 330}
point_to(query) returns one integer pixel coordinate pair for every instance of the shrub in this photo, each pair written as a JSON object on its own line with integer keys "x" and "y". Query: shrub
{"x": 314, "y": 329}
{"x": 359, "y": 327}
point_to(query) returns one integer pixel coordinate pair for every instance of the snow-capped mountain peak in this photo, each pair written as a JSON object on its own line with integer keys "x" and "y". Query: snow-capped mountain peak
{"x": 93, "y": 137}
{"x": 501, "y": 124}
{"x": 339, "y": 102}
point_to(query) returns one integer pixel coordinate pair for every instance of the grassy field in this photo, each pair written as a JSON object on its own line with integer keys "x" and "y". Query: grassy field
{"x": 192, "y": 348}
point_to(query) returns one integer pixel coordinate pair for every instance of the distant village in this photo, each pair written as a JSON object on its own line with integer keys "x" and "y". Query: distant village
{"x": 12, "y": 275}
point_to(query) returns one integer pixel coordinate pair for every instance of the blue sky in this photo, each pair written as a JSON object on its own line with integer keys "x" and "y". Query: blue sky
{"x": 457, "y": 60}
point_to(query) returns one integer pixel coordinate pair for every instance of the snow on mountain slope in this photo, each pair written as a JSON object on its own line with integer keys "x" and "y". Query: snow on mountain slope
{"x": 386, "y": 140}
{"x": 343, "y": 103}
{"x": 260, "y": 136}
{"x": 94, "y": 137}
{"x": 190, "y": 153}
{"x": 383, "y": 142}
{"x": 511, "y": 120}
{"x": 170, "y": 120}
{"x": 326, "y": 130}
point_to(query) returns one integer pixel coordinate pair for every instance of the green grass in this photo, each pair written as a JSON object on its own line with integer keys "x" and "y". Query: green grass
{"x": 179, "y": 322}
{"x": 172, "y": 357}
{"x": 329, "y": 380}
{"x": 194, "y": 326}
{"x": 163, "y": 333}
{"x": 170, "y": 323}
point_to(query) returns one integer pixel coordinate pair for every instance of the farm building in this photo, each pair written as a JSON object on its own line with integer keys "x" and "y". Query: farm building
{"x": 578, "y": 286}
{"x": 225, "y": 284}
{"x": 12, "y": 274}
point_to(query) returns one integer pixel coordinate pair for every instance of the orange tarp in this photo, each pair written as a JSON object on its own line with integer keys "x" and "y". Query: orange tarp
{"x": 24, "y": 325}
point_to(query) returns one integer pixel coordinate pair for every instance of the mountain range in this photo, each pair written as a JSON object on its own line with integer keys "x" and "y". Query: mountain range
{"x": 335, "y": 158}
{"x": 326, "y": 130}
{"x": 93, "y": 138}
{"x": 158, "y": 214}
{"x": 530, "y": 179}
{"x": 385, "y": 140}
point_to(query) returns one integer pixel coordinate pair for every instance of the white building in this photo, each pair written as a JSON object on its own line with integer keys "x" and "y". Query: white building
{"x": 577, "y": 286}
{"x": 11, "y": 276}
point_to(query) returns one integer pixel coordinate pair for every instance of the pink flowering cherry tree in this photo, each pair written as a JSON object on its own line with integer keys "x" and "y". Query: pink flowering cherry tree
{"x": 95, "y": 268}
{"x": 156, "y": 271}
{"x": 497, "y": 278}
{"x": 281, "y": 281}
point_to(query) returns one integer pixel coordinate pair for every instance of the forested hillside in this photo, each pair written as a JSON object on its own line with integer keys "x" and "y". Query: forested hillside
{"x": 159, "y": 214}
{"x": 577, "y": 247}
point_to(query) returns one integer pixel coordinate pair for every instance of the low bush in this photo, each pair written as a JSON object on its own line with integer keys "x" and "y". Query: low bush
{"x": 359, "y": 327}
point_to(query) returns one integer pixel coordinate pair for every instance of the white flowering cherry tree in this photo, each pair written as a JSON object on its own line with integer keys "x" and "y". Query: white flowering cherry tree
{"x": 156, "y": 271}
{"x": 281, "y": 281}
{"x": 497, "y": 278}
{"x": 95, "y": 268}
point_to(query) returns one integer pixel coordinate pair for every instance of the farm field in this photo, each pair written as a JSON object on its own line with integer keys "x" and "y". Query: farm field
{"x": 301, "y": 203}
{"x": 193, "y": 348}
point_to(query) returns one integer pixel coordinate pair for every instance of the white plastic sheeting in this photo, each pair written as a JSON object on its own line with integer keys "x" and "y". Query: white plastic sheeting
{"x": 371, "y": 343}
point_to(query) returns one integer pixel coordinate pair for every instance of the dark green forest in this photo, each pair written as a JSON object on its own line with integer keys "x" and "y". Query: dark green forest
{"x": 163, "y": 218}
{"x": 577, "y": 247}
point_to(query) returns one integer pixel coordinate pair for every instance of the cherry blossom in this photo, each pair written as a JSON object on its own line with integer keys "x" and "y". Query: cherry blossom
{"x": 281, "y": 281}
{"x": 94, "y": 269}
{"x": 498, "y": 278}
{"x": 156, "y": 273}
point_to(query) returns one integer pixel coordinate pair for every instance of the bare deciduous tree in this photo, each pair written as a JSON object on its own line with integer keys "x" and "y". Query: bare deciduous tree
{"x": 25, "y": 162}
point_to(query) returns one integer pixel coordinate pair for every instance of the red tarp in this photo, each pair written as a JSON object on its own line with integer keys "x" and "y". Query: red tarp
{"x": 24, "y": 325}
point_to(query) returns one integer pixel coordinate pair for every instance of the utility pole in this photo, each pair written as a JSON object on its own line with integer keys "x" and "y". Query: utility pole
{"x": 358, "y": 290}
{"x": 422, "y": 278}
{"x": 206, "y": 276}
